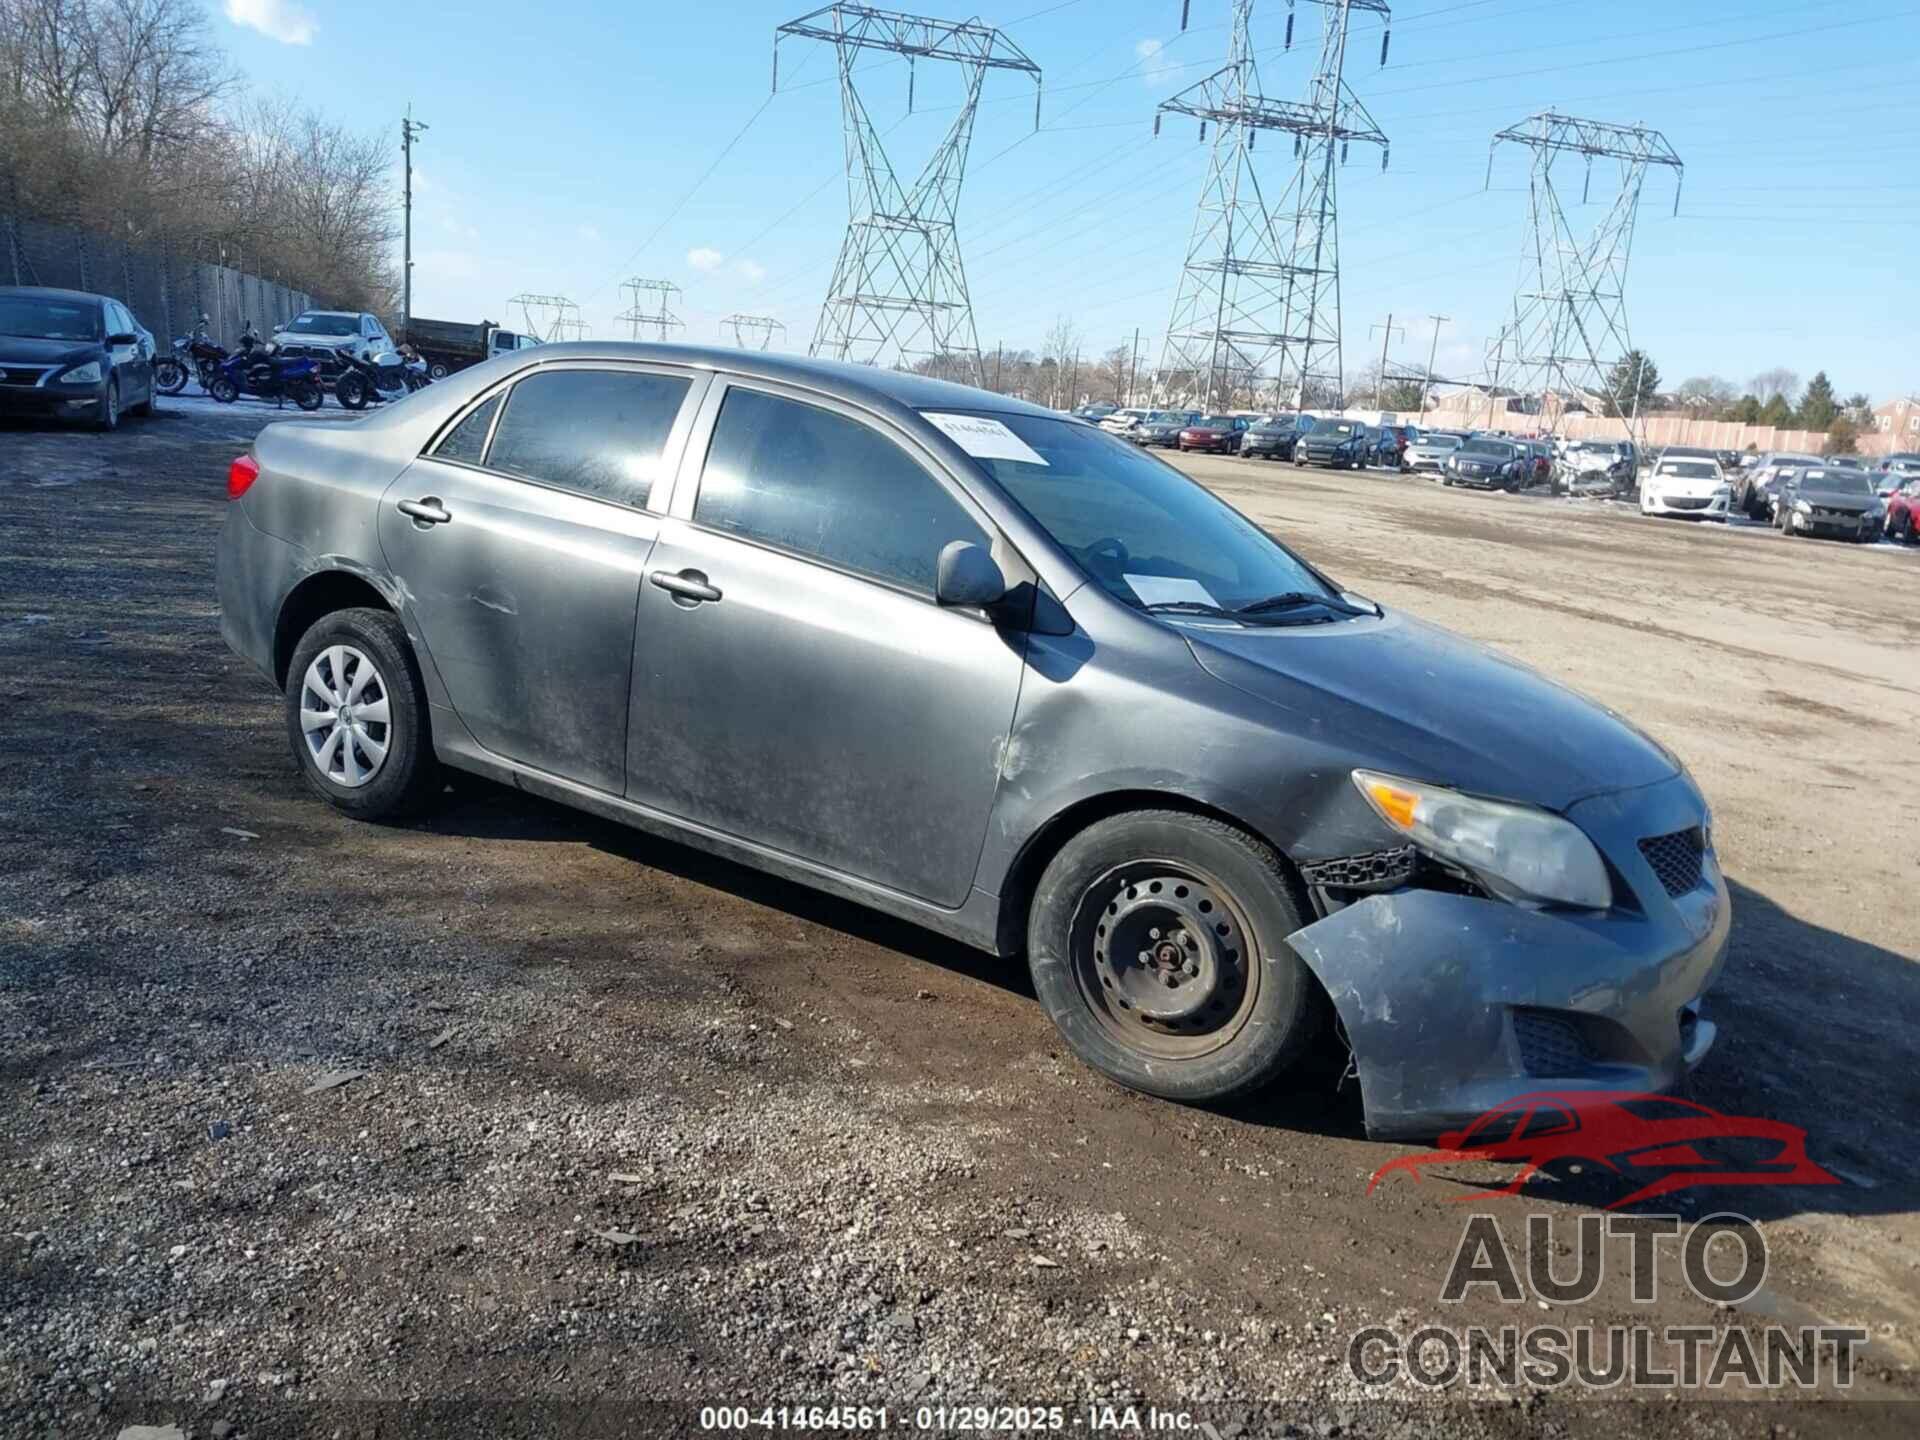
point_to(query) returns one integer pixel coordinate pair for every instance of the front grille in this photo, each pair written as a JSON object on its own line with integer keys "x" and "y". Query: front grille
{"x": 1550, "y": 1045}
{"x": 1685, "y": 502}
{"x": 1827, "y": 512}
{"x": 1380, "y": 870}
{"x": 1677, "y": 858}
{"x": 22, "y": 374}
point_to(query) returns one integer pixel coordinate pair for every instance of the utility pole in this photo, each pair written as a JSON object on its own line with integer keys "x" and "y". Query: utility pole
{"x": 1386, "y": 339}
{"x": 1426, "y": 381}
{"x": 410, "y": 130}
{"x": 1133, "y": 365}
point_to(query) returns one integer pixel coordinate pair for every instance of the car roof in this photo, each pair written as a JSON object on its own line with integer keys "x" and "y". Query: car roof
{"x": 48, "y": 292}
{"x": 916, "y": 392}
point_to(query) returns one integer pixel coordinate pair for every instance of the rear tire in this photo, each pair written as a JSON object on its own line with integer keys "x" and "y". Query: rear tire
{"x": 306, "y": 395}
{"x": 1220, "y": 1007}
{"x": 376, "y": 762}
{"x": 351, "y": 391}
{"x": 222, "y": 389}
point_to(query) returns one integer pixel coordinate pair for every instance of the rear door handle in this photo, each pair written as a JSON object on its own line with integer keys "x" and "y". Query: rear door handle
{"x": 685, "y": 585}
{"x": 425, "y": 511}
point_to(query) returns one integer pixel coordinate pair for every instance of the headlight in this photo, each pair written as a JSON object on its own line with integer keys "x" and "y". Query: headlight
{"x": 87, "y": 374}
{"x": 1801, "y": 507}
{"x": 1523, "y": 855}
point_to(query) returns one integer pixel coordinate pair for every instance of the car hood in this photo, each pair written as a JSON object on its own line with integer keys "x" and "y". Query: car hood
{"x": 1836, "y": 500}
{"x": 19, "y": 350}
{"x": 1412, "y": 699}
{"x": 333, "y": 338}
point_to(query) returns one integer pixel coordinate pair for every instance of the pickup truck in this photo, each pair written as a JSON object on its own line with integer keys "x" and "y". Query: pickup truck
{"x": 450, "y": 345}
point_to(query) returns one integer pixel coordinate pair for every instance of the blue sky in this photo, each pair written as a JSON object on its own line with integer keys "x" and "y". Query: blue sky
{"x": 569, "y": 143}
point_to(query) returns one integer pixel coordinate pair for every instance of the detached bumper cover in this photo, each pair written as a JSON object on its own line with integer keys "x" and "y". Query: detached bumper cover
{"x": 1454, "y": 1004}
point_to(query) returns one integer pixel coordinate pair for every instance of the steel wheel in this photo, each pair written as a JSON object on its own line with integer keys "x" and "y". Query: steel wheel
{"x": 1163, "y": 957}
{"x": 345, "y": 716}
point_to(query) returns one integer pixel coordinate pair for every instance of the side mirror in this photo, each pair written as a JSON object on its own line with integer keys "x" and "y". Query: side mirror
{"x": 124, "y": 338}
{"x": 967, "y": 575}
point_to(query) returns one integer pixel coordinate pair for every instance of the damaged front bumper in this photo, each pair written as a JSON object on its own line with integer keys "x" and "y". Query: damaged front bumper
{"x": 1454, "y": 1003}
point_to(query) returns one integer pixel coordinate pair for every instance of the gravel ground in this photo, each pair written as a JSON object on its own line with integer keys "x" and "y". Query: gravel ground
{"x": 311, "y": 1127}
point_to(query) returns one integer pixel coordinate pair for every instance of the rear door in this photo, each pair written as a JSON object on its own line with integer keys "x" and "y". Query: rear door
{"x": 519, "y": 540}
{"x": 797, "y": 686}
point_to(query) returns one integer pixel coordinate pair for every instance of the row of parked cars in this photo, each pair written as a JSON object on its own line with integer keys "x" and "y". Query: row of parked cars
{"x": 1836, "y": 496}
{"x": 1304, "y": 439}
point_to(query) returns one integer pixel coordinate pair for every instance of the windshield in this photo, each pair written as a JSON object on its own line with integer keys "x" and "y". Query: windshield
{"x": 33, "y": 318}
{"x": 1336, "y": 427}
{"x": 322, "y": 322}
{"x": 1167, "y": 417}
{"x": 1837, "y": 482}
{"x": 1215, "y": 422}
{"x": 1690, "y": 469}
{"x": 1141, "y": 530}
{"x": 1495, "y": 448}
{"x": 1440, "y": 442}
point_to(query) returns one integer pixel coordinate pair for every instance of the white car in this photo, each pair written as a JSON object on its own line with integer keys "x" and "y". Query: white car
{"x": 1122, "y": 421}
{"x": 1692, "y": 488}
{"x": 1431, "y": 452}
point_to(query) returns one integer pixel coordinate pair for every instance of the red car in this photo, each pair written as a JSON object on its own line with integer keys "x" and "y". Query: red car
{"x": 1657, "y": 1143}
{"x": 1903, "y": 511}
{"x": 1219, "y": 433}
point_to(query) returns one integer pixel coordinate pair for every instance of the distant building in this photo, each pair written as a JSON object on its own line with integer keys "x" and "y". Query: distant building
{"x": 1899, "y": 420}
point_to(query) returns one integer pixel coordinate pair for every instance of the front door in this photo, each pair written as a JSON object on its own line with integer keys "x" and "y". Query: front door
{"x": 796, "y": 685}
{"x": 519, "y": 541}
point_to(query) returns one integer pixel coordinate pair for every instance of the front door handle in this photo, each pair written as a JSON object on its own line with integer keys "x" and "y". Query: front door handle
{"x": 425, "y": 511}
{"x": 688, "y": 586}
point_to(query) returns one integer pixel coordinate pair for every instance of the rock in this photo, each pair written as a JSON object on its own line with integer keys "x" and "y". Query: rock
{"x": 216, "y": 1392}
{"x": 445, "y": 1035}
{"x": 627, "y": 1177}
{"x": 334, "y": 1079}
{"x": 1044, "y": 1263}
{"x": 1017, "y": 1234}
{"x": 151, "y": 1432}
{"x": 178, "y": 1252}
{"x": 621, "y": 1238}
{"x": 146, "y": 1345}
{"x": 219, "y": 1130}
{"x": 220, "y": 1429}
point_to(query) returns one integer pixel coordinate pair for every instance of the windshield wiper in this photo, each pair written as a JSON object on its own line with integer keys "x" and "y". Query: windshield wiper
{"x": 1300, "y": 600}
{"x": 1191, "y": 607}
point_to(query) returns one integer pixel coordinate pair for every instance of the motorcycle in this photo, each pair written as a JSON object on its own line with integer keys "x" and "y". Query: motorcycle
{"x": 259, "y": 371}
{"x": 363, "y": 382}
{"x": 195, "y": 356}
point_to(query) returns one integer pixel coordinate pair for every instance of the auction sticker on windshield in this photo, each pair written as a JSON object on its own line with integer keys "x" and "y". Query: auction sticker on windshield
{"x": 1169, "y": 590}
{"x": 986, "y": 439}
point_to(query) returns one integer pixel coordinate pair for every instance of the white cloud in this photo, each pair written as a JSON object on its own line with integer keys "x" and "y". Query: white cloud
{"x": 282, "y": 20}
{"x": 1154, "y": 65}
{"x": 705, "y": 257}
{"x": 751, "y": 271}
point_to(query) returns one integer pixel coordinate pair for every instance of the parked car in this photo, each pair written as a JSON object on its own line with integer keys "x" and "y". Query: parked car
{"x": 1275, "y": 437}
{"x": 1403, "y": 436}
{"x": 1691, "y": 488}
{"x": 71, "y": 355}
{"x": 1843, "y": 462}
{"x": 1893, "y": 470}
{"x": 449, "y": 346}
{"x": 1219, "y": 433}
{"x": 1591, "y": 464}
{"x": 1829, "y": 501}
{"x": 1429, "y": 454}
{"x": 1094, "y": 414}
{"x": 1162, "y": 428}
{"x": 1123, "y": 422}
{"x": 1770, "y": 466}
{"x": 1489, "y": 465}
{"x": 974, "y": 664}
{"x": 1903, "y": 511}
{"x": 1335, "y": 442}
{"x": 319, "y": 336}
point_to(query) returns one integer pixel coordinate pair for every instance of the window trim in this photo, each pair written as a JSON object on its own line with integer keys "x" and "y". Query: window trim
{"x": 693, "y": 465}
{"x": 672, "y": 450}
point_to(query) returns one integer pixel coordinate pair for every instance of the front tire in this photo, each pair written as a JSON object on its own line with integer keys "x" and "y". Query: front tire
{"x": 222, "y": 389}
{"x": 356, "y": 714}
{"x": 351, "y": 391}
{"x": 169, "y": 377}
{"x": 306, "y": 395}
{"x": 1157, "y": 942}
{"x": 109, "y": 417}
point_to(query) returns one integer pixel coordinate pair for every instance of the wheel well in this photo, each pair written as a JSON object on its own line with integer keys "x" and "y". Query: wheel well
{"x": 1024, "y": 876}
{"x": 312, "y": 598}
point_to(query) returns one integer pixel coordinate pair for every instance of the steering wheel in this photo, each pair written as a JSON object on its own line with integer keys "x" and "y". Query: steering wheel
{"x": 1110, "y": 549}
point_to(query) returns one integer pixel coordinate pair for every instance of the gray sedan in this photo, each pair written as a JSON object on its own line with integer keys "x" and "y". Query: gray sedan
{"x": 979, "y": 665}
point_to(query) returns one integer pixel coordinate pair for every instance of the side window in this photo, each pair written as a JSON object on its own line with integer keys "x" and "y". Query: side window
{"x": 596, "y": 432}
{"x": 467, "y": 441}
{"x": 807, "y": 480}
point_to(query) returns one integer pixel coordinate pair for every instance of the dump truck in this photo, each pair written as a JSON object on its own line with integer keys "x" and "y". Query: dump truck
{"x": 450, "y": 345}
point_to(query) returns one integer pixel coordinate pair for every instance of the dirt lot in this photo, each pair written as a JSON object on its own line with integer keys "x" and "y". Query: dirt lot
{"x": 639, "y": 1130}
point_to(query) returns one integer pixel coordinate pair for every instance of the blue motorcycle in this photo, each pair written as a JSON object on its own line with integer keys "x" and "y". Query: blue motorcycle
{"x": 261, "y": 373}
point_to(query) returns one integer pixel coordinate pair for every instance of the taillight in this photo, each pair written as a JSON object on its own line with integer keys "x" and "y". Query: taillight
{"x": 241, "y": 474}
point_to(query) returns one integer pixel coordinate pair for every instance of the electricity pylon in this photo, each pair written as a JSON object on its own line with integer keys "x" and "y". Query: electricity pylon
{"x": 1262, "y": 284}
{"x": 899, "y": 290}
{"x": 1569, "y": 326}
{"x": 551, "y": 317}
{"x": 659, "y": 318}
{"x": 763, "y": 326}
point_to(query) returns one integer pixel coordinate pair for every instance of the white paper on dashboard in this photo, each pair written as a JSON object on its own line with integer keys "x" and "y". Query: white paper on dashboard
{"x": 1169, "y": 590}
{"x": 986, "y": 439}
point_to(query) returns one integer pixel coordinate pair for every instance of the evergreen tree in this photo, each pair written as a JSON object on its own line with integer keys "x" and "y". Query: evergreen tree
{"x": 1777, "y": 413}
{"x": 1633, "y": 377}
{"x": 1818, "y": 408}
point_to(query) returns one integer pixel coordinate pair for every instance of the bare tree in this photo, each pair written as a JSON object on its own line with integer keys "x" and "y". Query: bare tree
{"x": 1060, "y": 350}
{"x": 1778, "y": 381}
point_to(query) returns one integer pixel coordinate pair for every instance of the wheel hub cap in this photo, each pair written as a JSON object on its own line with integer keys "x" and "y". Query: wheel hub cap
{"x": 345, "y": 716}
